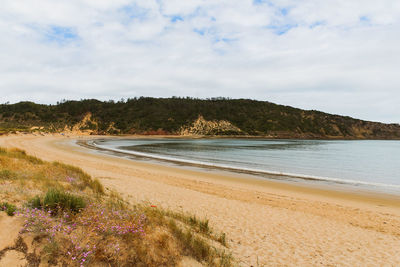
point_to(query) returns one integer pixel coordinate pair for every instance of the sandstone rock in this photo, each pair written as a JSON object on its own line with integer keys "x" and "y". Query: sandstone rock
{"x": 204, "y": 127}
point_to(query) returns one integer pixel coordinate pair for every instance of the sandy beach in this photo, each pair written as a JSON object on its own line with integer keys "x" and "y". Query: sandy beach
{"x": 267, "y": 223}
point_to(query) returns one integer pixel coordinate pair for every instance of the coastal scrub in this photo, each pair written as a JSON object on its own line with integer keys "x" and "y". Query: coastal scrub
{"x": 70, "y": 219}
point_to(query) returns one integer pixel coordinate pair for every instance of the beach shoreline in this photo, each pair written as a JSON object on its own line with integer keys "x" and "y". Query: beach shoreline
{"x": 267, "y": 222}
{"x": 301, "y": 180}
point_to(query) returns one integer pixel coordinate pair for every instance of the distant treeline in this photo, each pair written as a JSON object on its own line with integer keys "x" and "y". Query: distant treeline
{"x": 146, "y": 115}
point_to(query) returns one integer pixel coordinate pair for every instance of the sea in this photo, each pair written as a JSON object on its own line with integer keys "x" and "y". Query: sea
{"x": 372, "y": 165}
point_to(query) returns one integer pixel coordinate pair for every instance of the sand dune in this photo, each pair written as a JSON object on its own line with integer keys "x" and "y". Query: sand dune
{"x": 267, "y": 223}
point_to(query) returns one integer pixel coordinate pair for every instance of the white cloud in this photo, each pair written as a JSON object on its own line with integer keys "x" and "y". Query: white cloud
{"x": 337, "y": 56}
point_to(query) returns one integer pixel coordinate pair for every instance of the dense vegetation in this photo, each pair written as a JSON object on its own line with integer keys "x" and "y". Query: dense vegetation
{"x": 168, "y": 115}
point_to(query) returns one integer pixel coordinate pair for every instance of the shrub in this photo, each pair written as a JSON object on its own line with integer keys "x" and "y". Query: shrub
{"x": 35, "y": 203}
{"x": 58, "y": 200}
{"x": 10, "y": 209}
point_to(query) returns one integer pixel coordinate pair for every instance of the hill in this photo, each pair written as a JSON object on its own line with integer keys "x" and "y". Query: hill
{"x": 188, "y": 116}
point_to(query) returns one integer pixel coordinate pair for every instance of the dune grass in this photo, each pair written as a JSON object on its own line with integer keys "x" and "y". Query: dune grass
{"x": 198, "y": 225}
{"x": 20, "y": 154}
{"x": 194, "y": 236}
{"x": 74, "y": 221}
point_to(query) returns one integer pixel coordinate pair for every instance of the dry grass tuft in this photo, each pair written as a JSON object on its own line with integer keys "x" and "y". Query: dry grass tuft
{"x": 193, "y": 235}
{"x": 198, "y": 225}
{"x": 20, "y": 154}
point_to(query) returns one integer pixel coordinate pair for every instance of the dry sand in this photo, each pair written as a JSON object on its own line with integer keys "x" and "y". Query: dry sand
{"x": 267, "y": 223}
{"x": 9, "y": 231}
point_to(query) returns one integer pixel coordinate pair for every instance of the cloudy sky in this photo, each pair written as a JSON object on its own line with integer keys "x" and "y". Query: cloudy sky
{"x": 338, "y": 56}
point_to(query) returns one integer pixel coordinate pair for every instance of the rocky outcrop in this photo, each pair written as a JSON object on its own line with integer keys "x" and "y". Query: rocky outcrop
{"x": 112, "y": 129}
{"x": 202, "y": 126}
{"x": 86, "y": 126}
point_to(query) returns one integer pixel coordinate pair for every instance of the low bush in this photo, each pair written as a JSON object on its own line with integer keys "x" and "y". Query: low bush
{"x": 56, "y": 200}
{"x": 59, "y": 200}
{"x": 10, "y": 209}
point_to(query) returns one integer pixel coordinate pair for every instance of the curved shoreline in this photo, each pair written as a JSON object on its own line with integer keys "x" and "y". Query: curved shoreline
{"x": 267, "y": 222}
{"x": 271, "y": 175}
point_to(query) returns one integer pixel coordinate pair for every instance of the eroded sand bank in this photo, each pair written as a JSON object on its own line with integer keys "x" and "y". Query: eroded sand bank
{"x": 267, "y": 223}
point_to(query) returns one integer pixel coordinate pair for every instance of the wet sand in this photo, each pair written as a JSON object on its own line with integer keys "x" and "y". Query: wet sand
{"x": 267, "y": 223}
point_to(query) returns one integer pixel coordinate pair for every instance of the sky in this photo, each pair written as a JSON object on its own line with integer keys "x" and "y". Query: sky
{"x": 337, "y": 56}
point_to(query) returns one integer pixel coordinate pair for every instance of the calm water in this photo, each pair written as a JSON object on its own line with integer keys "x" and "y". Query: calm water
{"x": 369, "y": 164}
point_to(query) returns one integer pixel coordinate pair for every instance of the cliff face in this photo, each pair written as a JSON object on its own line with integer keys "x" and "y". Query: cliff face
{"x": 374, "y": 130}
{"x": 86, "y": 126}
{"x": 205, "y": 127}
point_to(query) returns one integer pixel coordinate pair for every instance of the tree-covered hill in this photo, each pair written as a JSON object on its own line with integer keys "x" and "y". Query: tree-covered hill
{"x": 217, "y": 116}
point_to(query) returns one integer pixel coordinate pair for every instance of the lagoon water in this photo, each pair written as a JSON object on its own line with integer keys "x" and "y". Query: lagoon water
{"x": 369, "y": 164}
